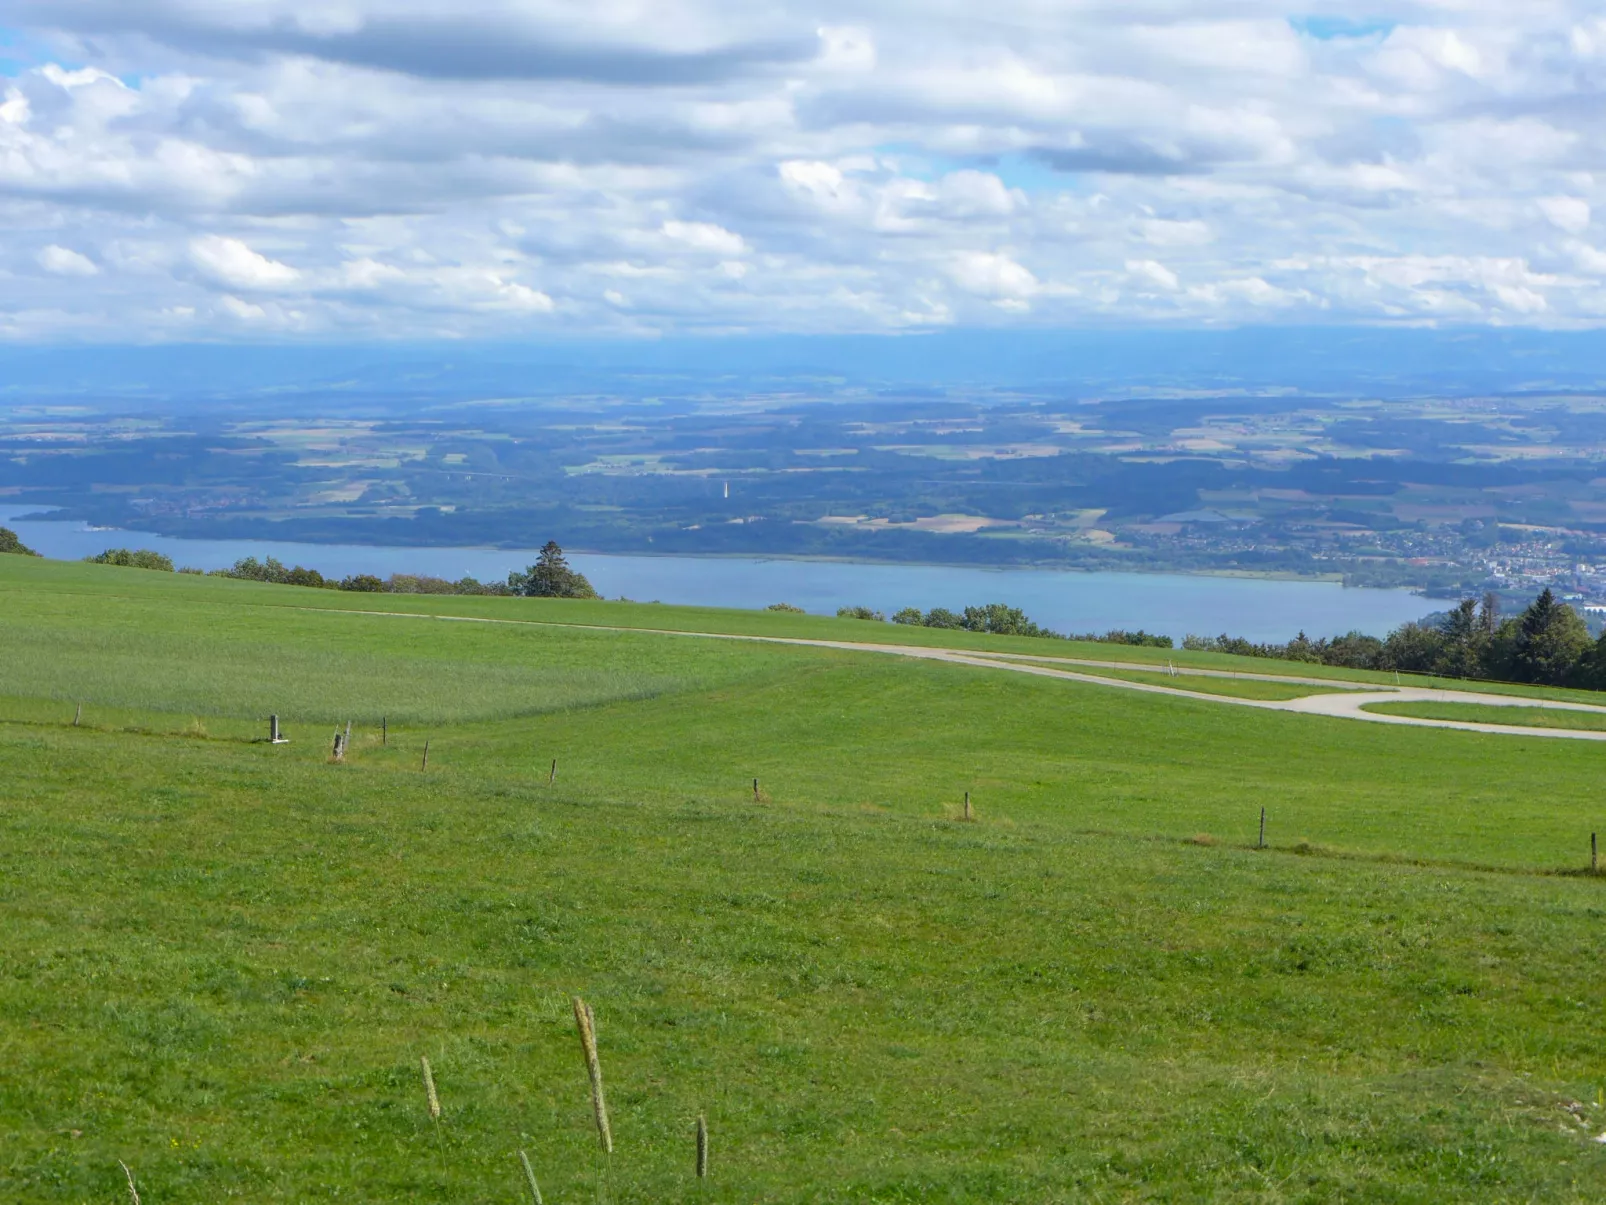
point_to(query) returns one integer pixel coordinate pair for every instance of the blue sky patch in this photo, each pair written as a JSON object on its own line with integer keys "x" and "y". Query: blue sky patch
{"x": 1327, "y": 29}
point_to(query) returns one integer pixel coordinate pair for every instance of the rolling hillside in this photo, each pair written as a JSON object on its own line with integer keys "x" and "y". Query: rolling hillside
{"x": 223, "y": 959}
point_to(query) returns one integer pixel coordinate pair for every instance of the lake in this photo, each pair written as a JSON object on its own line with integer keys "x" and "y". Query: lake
{"x": 1067, "y": 601}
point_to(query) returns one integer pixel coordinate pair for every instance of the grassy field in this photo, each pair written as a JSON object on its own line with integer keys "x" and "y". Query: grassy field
{"x": 1474, "y": 713}
{"x": 223, "y": 959}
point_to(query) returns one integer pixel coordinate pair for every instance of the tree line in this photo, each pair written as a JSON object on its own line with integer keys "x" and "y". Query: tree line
{"x": 549, "y": 577}
{"x": 1547, "y": 644}
{"x": 999, "y": 619}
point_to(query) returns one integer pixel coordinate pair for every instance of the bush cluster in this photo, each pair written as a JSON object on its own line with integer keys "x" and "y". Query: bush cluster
{"x": 1547, "y": 645}
{"x": 142, "y": 558}
{"x": 9, "y": 542}
{"x": 998, "y": 619}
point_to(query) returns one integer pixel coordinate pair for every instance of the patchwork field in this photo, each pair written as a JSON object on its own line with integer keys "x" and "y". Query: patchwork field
{"x": 223, "y": 959}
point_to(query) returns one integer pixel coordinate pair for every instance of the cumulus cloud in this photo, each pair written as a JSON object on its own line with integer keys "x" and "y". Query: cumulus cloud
{"x": 63, "y": 261}
{"x": 372, "y": 167}
{"x": 230, "y": 262}
{"x": 1568, "y": 213}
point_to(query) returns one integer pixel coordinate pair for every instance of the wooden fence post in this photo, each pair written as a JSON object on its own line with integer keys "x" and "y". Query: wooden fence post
{"x": 1262, "y": 844}
{"x": 425, "y": 766}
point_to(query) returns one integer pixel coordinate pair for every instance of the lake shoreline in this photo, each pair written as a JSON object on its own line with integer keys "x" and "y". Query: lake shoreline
{"x": 1262, "y": 607}
{"x": 36, "y": 515}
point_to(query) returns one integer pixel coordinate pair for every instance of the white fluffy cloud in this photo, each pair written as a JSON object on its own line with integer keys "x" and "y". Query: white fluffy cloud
{"x": 371, "y": 168}
{"x": 64, "y": 261}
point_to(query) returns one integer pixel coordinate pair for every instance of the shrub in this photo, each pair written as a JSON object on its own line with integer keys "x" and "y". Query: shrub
{"x": 363, "y": 583}
{"x": 787, "y": 607}
{"x": 910, "y": 615}
{"x": 408, "y": 583}
{"x": 143, "y": 558}
{"x": 10, "y": 543}
{"x": 860, "y": 613}
{"x": 1139, "y": 638}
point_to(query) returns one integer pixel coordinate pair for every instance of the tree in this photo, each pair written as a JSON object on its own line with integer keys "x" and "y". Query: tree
{"x": 10, "y": 543}
{"x": 1354, "y": 650}
{"x": 909, "y": 615}
{"x": 1000, "y": 620}
{"x": 1489, "y": 616}
{"x": 1465, "y": 639}
{"x": 550, "y": 577}
{"x": 1551, "y": 641}
{"x": 1413, "y": 648}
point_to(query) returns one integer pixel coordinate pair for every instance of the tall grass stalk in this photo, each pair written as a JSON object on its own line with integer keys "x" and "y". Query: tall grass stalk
{"x": 529, "y": 1175}
{"x": 434, "y": 1110}
{"x": 588, "y": 1045}
{"x": 429, "y": 1090}
{"x": 133, "y": 1193}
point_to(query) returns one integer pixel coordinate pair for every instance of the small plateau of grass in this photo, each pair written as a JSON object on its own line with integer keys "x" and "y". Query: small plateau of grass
{"x": 1483, "y": 713}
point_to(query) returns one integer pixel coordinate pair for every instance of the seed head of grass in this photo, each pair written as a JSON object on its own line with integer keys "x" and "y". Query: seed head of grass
{"x": 133, "y": 1193}
{"x": 588, "y": 1045}
{"x": 529, "y": 1176}
{"x": 429, "y": 1090}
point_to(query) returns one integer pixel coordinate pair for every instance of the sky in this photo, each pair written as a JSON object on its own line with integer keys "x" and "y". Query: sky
{"x": 357, "y": 170}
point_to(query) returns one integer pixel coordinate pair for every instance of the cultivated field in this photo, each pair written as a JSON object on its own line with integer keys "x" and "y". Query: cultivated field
{"x": 222, "y": 960}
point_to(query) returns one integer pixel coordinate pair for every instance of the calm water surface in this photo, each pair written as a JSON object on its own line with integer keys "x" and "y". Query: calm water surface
{"x": 1174, "y": 604}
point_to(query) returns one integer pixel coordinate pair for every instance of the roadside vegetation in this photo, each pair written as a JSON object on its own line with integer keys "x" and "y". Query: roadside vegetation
{"x": 1546, "y": 645}
{"x": 224, "y": 960}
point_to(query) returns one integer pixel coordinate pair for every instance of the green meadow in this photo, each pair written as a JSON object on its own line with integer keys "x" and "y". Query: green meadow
{"x": 1474, "y": 713}
{"x": 221, "y": 960}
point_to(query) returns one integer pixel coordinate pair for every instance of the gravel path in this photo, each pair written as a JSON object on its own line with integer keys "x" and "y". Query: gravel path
{"x": 1346, "y": 705}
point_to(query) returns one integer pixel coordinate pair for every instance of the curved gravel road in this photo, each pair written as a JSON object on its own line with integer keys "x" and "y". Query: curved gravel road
{"x": 1345, "y": 702}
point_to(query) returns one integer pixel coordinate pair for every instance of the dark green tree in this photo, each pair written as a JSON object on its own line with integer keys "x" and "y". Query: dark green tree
{"x": 1461, "y": 655}
{"x": 1591, "y": 671}
{"x": 550, "y": 577}
{"x": 1354, "y": 650}
{"x": 1551, "y": 641}
{"x": 1413, "y": 648}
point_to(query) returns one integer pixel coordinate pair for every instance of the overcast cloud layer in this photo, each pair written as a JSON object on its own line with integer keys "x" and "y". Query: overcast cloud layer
{"x": 379, "y": 168}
